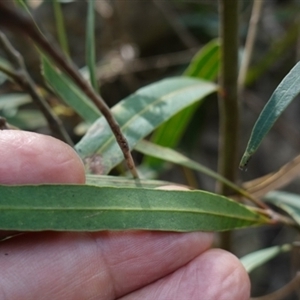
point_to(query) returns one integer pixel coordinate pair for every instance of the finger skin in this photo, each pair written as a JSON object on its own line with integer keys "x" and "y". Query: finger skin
{"x": 214, "y": 275}
{"x": 103, "y": 265}
{"x": 28, "y": 157}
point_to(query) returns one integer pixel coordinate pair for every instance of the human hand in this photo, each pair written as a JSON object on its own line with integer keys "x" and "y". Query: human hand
{"x": 103, "y": 265}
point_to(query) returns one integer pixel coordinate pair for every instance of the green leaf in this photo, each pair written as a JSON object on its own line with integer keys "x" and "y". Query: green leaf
{"x": 204, "y": 65}
{"x": 92, "y": 208}
{"x": 288, "y": 202}
{"x": 27, "y": 119}
{"x": 69, "y": 92}
{"x": 138, "y": 115}
{"x": 118, "y": 181}
{"x": 60, "y": 27}
{"x": 173, "y": 156}
{"x": 13, "y": 101}
{"x": 4, "y": 65}
{"x": 255, "y": 259}
{"x": 284, "y": 94}
{"x": 90, "y": 44}
{"x": 206, "y": 62}
{"x": 22, "y": 4}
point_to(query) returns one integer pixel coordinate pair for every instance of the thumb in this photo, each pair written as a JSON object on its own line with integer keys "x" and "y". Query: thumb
{"x": 31, "y": 158}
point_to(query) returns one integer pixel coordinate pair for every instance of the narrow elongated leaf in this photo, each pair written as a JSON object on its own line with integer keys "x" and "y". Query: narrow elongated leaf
{"x": 138, "y": 115}
{"x": 69, "y": 92}
{"x": 92, "y": 208}
{"x": 22, "y": 4}
{"x": 286, "y": 92}
{"x": 205, "y": 65}
{"x": 273, "y": 181}
{"x": 27, "y": 119}
{"x": 90, "y": 44}
{"x": 118, "y": 181}
{"x": 4, "y": 65}
{"x": 13, "y": 101}
{"x": 289, "y": 202}
{"x": 173, "y": 156}
{"x": 60, "y": 27}
{"x": 255, "y": 259}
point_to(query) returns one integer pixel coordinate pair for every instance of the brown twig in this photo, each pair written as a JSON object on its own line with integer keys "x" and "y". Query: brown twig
{"x": 23, "y": 79}
{"x": 16, "y": 20}
{"x": 3, "y": 124}
{"x": 255, "y": 15}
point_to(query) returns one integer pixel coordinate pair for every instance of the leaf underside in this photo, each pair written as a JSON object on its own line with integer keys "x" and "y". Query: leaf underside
{"x": 138, "y": 115}
{"x": 92, "y": 208}
{"x": 255, "y": 259}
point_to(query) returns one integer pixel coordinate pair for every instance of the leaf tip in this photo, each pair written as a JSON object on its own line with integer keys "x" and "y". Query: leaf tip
{"x": 244, "y": 161}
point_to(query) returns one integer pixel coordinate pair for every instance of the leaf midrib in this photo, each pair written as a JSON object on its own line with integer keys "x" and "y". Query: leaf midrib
{"x": 154, "y": 210}
{"x": 266, "y": 121}
{"x": 107, "y": 144}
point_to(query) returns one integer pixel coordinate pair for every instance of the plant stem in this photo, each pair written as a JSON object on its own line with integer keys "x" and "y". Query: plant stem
{"x": 228, "y": 98}
{"x": 15, "y": 20}
{"x": 23, "y": 79}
